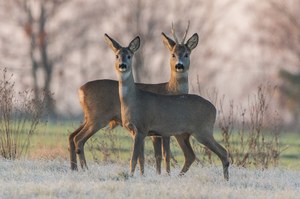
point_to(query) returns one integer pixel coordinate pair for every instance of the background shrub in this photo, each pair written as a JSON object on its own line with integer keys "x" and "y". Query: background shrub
{"x": 20, "y": 116}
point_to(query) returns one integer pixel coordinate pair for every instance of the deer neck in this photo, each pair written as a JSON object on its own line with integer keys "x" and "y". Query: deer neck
{"x": 178, "y": 83}
{"x": 127, "y": 89}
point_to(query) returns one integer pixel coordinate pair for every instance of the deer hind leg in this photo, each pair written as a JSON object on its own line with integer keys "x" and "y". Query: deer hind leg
{"x": 221, "y": 152}
{"x": 157, "y": 152}
{"x": 189, "y": 155}
{"x": 73, "y": 158}
{"x": 86, "y": 132}
{"x": 166, "y": 152}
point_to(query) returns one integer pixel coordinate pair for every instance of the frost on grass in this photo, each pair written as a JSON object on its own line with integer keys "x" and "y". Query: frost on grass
{"x": 53, "y": 179}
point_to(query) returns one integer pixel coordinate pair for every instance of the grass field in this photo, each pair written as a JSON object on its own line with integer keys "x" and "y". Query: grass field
{"x": 51, "y": 141}
{"x": 45, "y": 172}
{"x": 53, "y": 179}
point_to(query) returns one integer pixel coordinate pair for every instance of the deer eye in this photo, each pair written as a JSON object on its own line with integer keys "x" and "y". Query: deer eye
{"x": 117, "y": 56}
{"x": 186, "y": 55}
{"x": 173, "y": 55}
{"x": 128, "y": 56}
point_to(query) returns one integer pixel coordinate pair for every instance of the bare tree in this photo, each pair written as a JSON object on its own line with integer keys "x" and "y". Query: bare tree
{"x": 64, "y": 38}
{"x": 145, "y": 19}
{"x": 51, "y": 40}
{"x": 37, "y": 15}
{"x": 278, "y": 23}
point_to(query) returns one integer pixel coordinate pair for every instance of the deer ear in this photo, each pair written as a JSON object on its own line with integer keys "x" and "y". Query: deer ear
{"x": 134, "y": 44}
{"x": 114, "y": 45}
{"x": 168, "y": 42}
{"x": 193, "y": 41}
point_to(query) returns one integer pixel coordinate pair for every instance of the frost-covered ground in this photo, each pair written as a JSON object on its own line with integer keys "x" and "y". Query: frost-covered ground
{"x": 53, "y": 179}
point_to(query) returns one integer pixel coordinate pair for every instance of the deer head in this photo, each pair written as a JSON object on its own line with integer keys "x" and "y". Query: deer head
{"x": 180, "y": 51}
{"x": 124, "y": 55}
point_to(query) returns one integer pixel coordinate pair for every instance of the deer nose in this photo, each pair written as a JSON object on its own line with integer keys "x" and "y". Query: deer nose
{"x": 179, "y": 66}
{"x": 122, "y": 66}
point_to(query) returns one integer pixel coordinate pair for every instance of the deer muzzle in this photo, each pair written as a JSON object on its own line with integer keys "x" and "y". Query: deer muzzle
{"x": 122, "y": 67}
{"x": 179, "y": 67}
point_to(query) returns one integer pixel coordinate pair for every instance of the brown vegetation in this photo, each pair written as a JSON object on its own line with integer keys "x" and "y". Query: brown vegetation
{"x": 20, "y": 116}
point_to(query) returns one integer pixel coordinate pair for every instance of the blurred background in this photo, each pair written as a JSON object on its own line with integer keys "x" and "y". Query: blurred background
{"x": 58, "y": 45}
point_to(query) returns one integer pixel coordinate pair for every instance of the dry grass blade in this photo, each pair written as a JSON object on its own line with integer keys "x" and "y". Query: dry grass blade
{"x": 250, "y": 134}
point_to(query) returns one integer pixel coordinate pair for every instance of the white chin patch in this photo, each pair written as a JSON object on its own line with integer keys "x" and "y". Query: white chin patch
{"x": 179, "y": 70}
{"x": 122, "y": 69}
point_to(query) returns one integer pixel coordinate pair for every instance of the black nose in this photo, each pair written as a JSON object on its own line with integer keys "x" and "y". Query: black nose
{"x": 179, "y": 66}
{"x": 122, "y": 66}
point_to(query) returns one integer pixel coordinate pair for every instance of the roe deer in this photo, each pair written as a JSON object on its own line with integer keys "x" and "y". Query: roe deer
{"x": 101, "y": 105}
{"x": 144, "y": 112}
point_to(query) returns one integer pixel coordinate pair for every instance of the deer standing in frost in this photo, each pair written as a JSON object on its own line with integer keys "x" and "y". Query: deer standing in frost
{"x": 144, "y": 112}
{"x": 101, "y": 105}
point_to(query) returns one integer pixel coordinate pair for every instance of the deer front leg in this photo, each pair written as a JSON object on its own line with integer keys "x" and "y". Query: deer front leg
{"x": 142, "y": 158}
{"x": 166, "y": 152}
{"x": 157, "y": 152}
{"x": 138, "y": 139}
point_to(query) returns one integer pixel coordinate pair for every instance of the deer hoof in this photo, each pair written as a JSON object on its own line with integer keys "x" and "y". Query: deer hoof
{"x": 74, "y": 168}
{"x": 225, "y": 171}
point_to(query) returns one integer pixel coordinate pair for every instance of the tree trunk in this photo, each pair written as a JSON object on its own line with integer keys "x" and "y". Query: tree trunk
{"x": 28, "y": 28}
{"x": 46, "y": 65}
